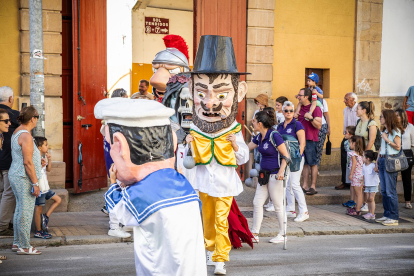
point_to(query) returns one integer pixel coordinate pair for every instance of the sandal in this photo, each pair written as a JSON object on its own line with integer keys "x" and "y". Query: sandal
{"x": 311, "y": 191}
{"x": 2, "y": 257}
{"x": 31, "y": 251}
{"x": 304, "y": 191}
{"x": 354, "y": 213}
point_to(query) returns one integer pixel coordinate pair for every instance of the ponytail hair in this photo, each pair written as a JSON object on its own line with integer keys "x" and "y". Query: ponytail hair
{"x": 267, "y": 117}
{"x": 369, "y": 109}
{"x": 371, "y": 155}
{"x": 359, "y": 144}
{"x": 26, "y": 115}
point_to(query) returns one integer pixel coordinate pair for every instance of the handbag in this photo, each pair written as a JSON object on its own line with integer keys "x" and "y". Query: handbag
{"x": 395, "y": 163}
{"x": 410, "y": 156}
{"x": 263, "y": 177}
{"x": 328, "y": 147}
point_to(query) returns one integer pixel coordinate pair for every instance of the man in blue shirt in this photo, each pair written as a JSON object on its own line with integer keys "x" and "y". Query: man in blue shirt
{"x": 408, "y": 104}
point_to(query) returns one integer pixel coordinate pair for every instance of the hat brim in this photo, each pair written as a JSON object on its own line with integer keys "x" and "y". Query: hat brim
{"x": 217, "y": 72}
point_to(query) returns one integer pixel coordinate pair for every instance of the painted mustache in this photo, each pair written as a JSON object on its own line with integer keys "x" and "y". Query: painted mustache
{"x": 214, "y": 112}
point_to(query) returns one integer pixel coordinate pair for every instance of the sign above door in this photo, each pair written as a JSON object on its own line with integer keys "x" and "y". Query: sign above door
{"x": 156, "y": 25}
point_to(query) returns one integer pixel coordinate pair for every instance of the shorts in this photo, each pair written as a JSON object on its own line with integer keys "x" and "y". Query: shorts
{"x": 311, "y": 157}
{"x": 41, "y": 200}
{"x": 371, "y": 189}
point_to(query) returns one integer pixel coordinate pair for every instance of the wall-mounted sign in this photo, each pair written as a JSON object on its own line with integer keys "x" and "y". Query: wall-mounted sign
{"x": 156, "y": 25}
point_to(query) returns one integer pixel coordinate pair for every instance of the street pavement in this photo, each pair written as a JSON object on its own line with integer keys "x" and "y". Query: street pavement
{"x": 377, "y": 254}
{"x": 74, "y": 228}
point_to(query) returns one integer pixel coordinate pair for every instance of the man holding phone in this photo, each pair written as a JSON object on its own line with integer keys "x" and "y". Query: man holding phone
{"x": 7, "y": 198}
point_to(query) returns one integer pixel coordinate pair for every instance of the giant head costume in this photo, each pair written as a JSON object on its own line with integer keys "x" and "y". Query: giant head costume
{"x": 169, "y": 62}
{"x": 215, "y": 84}
{"x": 140, "y": 136}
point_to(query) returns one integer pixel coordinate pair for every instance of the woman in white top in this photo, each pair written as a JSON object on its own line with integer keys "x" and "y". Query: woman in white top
{"x": 407, "y": 145}
{"x": 391, "y": 145}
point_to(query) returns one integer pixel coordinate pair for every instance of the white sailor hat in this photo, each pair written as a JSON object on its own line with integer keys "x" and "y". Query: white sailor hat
{"x": 133, "y": 112}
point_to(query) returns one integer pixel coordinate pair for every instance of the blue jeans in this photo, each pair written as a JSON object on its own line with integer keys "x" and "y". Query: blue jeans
{"x": 388, "y": 190}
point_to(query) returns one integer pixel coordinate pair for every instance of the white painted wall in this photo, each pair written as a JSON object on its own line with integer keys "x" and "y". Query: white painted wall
{"x": 119, "y": 44}
{"x": 397, "y": 52}
{"x": 146, "y": 46}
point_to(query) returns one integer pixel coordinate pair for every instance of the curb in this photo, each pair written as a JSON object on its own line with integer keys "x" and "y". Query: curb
{"x": 6, "y": 243}
{"x": 343, "y": 230}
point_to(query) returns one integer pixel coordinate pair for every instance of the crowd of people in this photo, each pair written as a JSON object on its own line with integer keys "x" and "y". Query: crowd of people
{"x": 24, "y": 188}
{"x": 364, "y": 151}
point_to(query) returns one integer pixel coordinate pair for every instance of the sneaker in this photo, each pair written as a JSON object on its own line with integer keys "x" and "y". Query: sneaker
{"x": 271, "y": 208}
{"x": 220, "y": 268}
{"x": 42, "y": 235}
{"x": 302, "y": 217}
{"x": 118, "y": 232}
{"x": 45, "y": 222}
{"x": 364, "y": 208}
{"x": 381, "y": 219}
{"x": 268, "y": 204}
{"x": 349, "y": 204}
{"x": 104, "y": 210}
{"x": 278, "y": 239}
{"x": 390, "y": 222}
{"x": 210, "y": 258}
{"x": 7, "y": 233}
{"x": 368, "y": 216}
{"x": 255, "y": 238}
{"x": 408, "y": 206}
{"x": 291, "y": 214}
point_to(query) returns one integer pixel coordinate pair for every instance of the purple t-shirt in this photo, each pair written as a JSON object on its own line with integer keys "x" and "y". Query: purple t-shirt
{"x": 270, "y": 156}
{"x": 290, "y": 128}
{"x": 311, "y": 133}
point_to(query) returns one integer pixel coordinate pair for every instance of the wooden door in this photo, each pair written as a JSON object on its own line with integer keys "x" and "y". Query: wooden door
{"x": 89, "y": 82}
{"x": 226, "y": 18}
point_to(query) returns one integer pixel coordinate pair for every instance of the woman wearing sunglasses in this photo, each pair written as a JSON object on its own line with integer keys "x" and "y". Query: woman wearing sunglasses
{"x": 293, "y": 189}
{"x": 5, "y": 122}
{"x": 24, "y": 173}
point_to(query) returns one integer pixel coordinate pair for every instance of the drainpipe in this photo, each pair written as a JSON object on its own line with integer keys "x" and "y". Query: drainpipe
{"x": 37, "y": 77}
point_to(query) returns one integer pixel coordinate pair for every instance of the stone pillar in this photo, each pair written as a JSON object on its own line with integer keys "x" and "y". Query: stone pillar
{"x": 368, "y": 39}
{"x": 260, "y": 39}
{"x": 52, "y": 50}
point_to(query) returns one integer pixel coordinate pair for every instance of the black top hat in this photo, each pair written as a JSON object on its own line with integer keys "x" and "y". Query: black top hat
{"x": 215, "y": 54}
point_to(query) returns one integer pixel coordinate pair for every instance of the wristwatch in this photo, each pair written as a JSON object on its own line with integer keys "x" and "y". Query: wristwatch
{"x": 311, "y": 120}
{"x": 36, "y": 184}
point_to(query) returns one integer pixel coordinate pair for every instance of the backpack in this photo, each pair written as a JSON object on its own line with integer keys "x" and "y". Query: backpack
{"x": 293, "y": 148}
{"x": 377, "y": 142}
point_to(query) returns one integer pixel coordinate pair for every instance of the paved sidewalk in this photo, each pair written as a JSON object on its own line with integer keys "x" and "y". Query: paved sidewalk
{"x": 73, "y": 228}
{"x": 332, "y": 220}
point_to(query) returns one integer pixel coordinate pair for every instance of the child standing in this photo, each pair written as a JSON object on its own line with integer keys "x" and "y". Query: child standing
{"x": 42, "y": 220}
{"x": 349, "y": 132}
{"x": 357, "y": 144}
{"x": 371, "y": 181}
